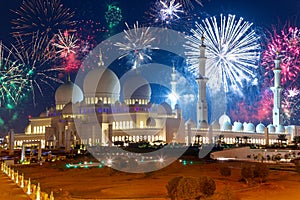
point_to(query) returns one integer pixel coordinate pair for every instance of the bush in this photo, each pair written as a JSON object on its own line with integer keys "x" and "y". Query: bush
{"x": 172, "y": 187}
{"x": 225, "y": 171}
{"x": 247, "y": 173}
{"x": 207, "y": 185}
{"x": 190, "y": 187}
{"x": 226, "y": 194}
{"x": 261, "y": 171}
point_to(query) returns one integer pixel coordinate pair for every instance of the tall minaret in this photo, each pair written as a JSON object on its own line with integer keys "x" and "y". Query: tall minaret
{"x": 173, "y": 80}
{"x": 202, "y": 112}
{"x": 277, "y": 89}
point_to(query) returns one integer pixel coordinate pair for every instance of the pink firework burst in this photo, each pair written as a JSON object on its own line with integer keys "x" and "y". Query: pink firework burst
{"x": 286, "y": 42}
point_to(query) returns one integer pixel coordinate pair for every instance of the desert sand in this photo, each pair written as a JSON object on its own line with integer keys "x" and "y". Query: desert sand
{"x": 105, "y": 183}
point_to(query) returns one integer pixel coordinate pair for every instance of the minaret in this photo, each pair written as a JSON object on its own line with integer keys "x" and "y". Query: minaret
{"x": 173, "y": 80}
{"x": 277, "y": 89}
{"x": 202, "y": 112}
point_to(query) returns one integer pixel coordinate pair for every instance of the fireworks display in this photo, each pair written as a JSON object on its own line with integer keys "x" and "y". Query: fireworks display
{"x": 48, "y": 39}
{"x": 113, "y": 16}
{"x": 66, "y": 44}
{"x": 43, "y": 16}
{"x": 12, "y": 83}
{"x": 232, "y": 51}
{"x": 188, "y": 4}
{"x": 137, "y": 44}
{"x": 36, "y": 60}
{"x": 287, "y": 44}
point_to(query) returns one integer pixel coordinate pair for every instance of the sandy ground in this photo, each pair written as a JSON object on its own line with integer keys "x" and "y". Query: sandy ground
{"x": 104, "y": 183}
{"x": 9, "y": 190}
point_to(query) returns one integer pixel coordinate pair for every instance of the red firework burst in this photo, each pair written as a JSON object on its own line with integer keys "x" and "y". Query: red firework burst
{"x": 287, "y": 43}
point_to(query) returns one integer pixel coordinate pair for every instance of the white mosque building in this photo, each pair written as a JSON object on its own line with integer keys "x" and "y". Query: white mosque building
{"x": 95, "y": 116}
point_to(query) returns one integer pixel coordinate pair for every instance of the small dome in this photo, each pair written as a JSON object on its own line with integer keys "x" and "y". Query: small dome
{"x": 271, "y": 128}
{"x": 203, "y": 125}
{"x": 164, "y": 108}
{"x": 191, "y": 122}
{"x": 249, "y": 128}
{"x": 260, "y": 128}
{"x": 101, "y": 82}
{"x": 68, "y": 92}
{"x": 136, "y": 87}
{"x": 237, "y": 126}
{"x": 224, "y": 118}
{"x": 151, "y": 122}
{"x": 227, "y": 126}
{"x": 216, "y": 125}
{"x": 280, "y": 129}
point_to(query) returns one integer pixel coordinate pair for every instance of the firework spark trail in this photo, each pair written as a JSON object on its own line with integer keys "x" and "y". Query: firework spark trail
{"x": 291, "y": 105}
{"x": 37, "y": 59}
{"x": 287, "y": 44}
{"x": 188, "y": 4}
{"x": 137, "y": 44}
{"x": 66, "y": 44}
{"x": 12, "y": 83}
{"x": 43, "y": 16}
{"x": 232, "y": 51}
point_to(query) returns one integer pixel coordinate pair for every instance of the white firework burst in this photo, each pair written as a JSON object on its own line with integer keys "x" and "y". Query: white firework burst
{"x": 66, "y": 43}
{"x": 169, "y": 11}
{"x": 188, "y": 3}
{"x": 137, "y": 45}
{"x": 232, "y": 51}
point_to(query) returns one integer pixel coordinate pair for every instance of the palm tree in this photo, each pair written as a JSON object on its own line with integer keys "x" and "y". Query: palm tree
{"x": 281, "y": 138}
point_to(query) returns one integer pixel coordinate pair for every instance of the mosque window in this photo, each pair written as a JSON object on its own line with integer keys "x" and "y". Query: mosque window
{"x": 114, "y": 125}
{"x": 92, "y": 100}
{"x": 117, "y": 125}
{"x": 141, "y": 124}
{"x": 108, "y": 100}
{"x": 127, "y": 124}
{"x": 131, "y": 124}
{"x": 105, "y": 100}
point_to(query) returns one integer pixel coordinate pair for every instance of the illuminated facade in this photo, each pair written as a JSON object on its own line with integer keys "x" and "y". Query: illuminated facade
{"x": 97, "y": 117}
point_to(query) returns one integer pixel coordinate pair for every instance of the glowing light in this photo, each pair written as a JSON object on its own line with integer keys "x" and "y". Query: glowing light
{"x": 170, "y": 11}
{"x": 188, "y": 3}
{"x": 232, "y": 51}
{"x": 137, "y": 45}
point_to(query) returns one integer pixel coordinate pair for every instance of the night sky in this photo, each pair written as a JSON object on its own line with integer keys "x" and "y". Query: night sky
{"x": 263, "y": 13}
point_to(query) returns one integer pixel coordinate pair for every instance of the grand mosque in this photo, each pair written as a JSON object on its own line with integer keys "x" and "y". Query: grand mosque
{"x": 95, "y": 116}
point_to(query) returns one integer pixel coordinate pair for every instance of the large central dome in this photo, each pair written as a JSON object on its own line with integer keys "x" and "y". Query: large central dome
{"x": 101, "y": 83}
{"x": 68, "y": 92}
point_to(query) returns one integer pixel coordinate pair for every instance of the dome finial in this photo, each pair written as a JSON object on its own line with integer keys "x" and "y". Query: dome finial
{"x": 69, "y": 78}
{"x": 101, "y": 63}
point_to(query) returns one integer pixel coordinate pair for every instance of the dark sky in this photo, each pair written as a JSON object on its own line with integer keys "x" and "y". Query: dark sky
{"x": 263, "y": 13}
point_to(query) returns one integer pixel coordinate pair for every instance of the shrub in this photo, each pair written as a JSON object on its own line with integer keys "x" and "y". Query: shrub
{"x": 172, "y": 187}
{"x": 261, "y": 171}
{"x": 225, "y": 171}
{"x": 247, "y": 173}
{"x": 188, "y": 189}
{"x": 207, "y": 185}
{"x": 226, "y": 194}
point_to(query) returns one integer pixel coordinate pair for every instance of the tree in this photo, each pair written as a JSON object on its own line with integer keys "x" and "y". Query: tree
{"x": 296, "y": 141}
{"x": 225, "y": 171}
{"x": 281, "y": 138}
